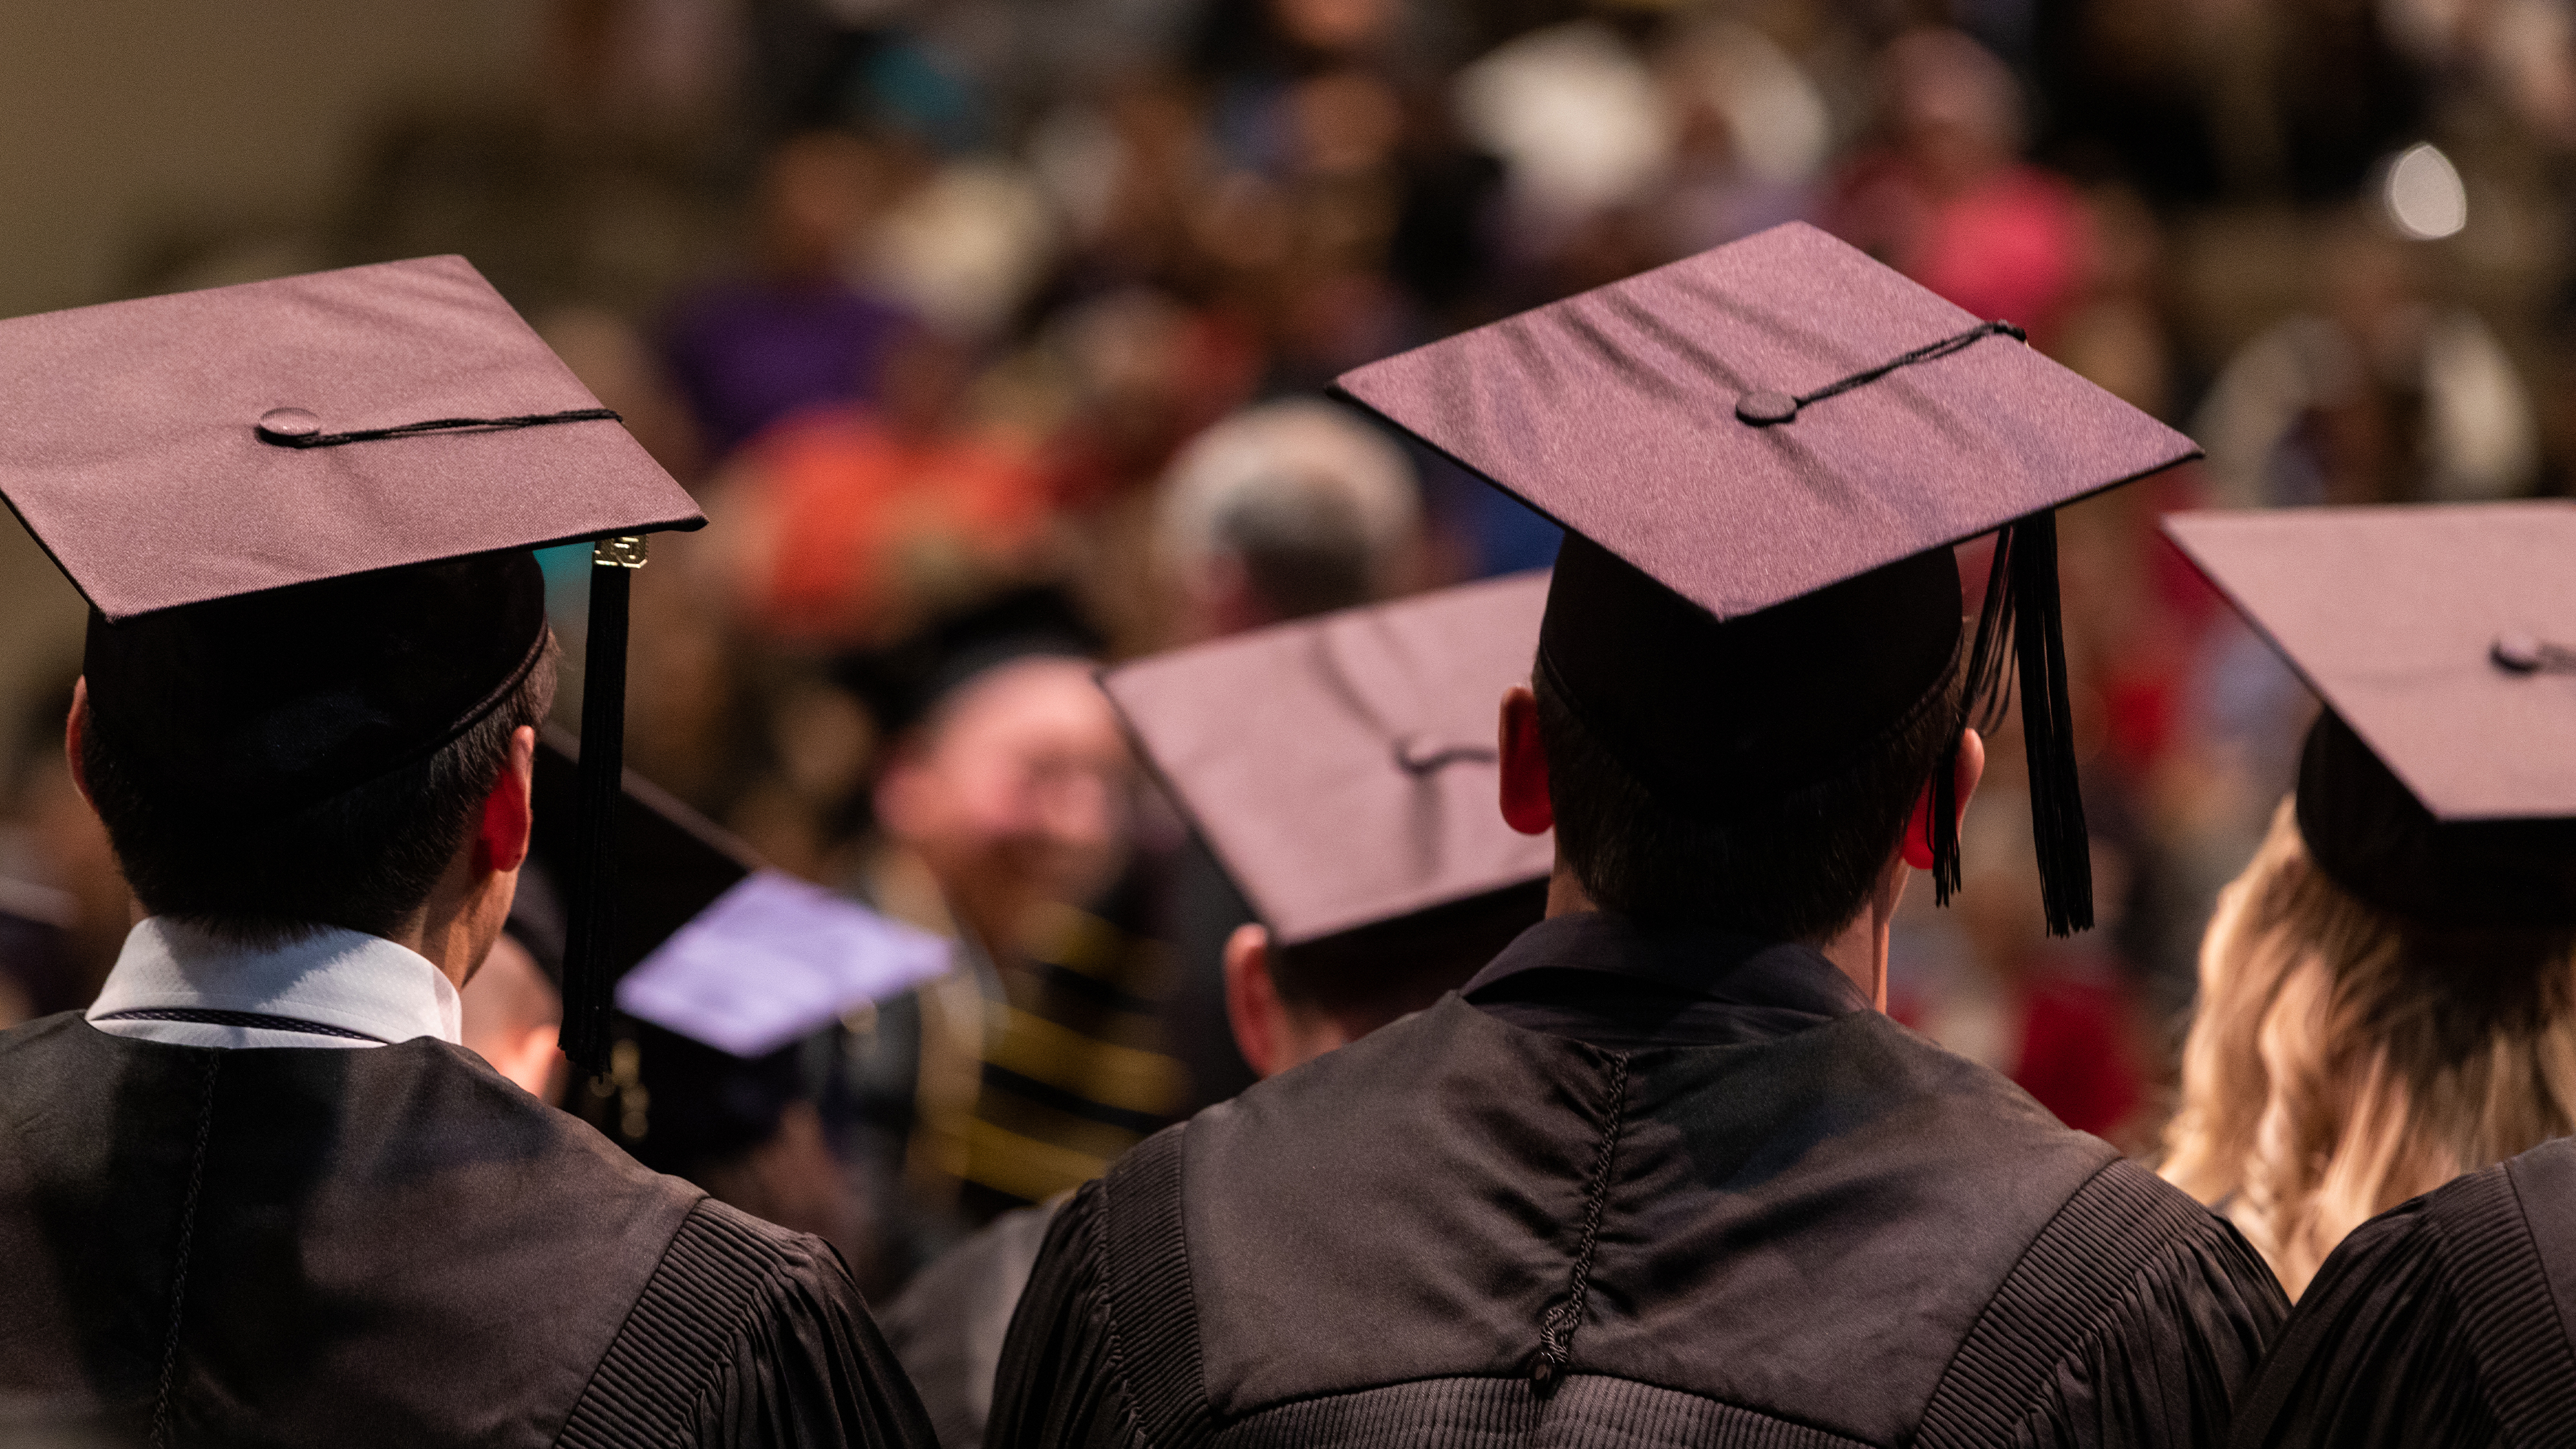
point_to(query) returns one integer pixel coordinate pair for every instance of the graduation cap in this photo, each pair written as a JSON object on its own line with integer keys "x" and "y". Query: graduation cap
{"x": 301, "y": 512}
{"x": 711, "y": 944}
{"x": 1342, "y": 768}
{"x": 2441, "y": 783}
{"x": 1762, "y": 456}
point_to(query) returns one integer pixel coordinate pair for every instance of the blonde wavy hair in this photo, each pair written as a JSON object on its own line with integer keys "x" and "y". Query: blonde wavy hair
{"x": 2343, "y": 1060}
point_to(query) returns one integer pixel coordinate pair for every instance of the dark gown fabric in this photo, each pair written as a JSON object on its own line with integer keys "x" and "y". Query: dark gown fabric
{"x": 390, "y": 1246}
{"x": 2446, "y": 1321}
{"x": 1718, "y": 1199}
{"x": 948, "y": 1324}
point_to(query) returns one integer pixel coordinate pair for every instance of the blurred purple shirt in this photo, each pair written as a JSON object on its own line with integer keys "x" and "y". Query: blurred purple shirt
{"x": 746, "y": 353}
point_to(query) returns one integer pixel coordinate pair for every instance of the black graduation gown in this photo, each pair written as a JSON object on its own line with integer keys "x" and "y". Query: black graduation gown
{"x": 2443, "y": 1321}
{"x": 1720, "y": 1199}
{"x": 391, "y": 1246}
{"x": 947, "y": 1325}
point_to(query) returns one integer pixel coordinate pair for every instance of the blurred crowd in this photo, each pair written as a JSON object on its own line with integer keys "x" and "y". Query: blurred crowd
{"x": 990, "y": 336}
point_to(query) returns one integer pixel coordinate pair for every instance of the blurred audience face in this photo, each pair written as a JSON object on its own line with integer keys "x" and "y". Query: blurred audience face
{"x": 1346, "y": 122}
{"x": 512, "y": 1015}
{"x": 1334, "y": 27}
{"x": 922, "y": 384}
{"x": 1286, "y": 510}
{"x": 1952, "y": 108}
{"x": 816, "y": 191}
{"x": 2370, "y": 439}
{"x": 1014, "y": 794}
{"x": 2374, "y": 289}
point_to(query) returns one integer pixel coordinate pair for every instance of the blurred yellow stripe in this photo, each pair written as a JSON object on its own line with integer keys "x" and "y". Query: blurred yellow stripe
{"x": 1096, "y": 1071}
{"x": 1023, "y": 1166}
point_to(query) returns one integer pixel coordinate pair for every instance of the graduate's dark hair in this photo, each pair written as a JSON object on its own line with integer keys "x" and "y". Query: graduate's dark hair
{"x": 365, "y": 859}
{"x": 1368, "y": 977}
{"x": 1797, "y": 867}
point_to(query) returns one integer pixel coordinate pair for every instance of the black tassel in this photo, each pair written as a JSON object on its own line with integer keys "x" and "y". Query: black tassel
{"x": 2048, "y": 730}
{"x": 2021, "y": 607}
{"x": 592, "y": 896}
{"x": 1945, "y": 825}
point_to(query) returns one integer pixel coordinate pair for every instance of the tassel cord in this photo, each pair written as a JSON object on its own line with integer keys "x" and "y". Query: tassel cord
{"x": 2048, "y": 732}
{"x": 2020, "y": 649}
{"x": 1986, "y": 690}
{"x": 603, "y": 748}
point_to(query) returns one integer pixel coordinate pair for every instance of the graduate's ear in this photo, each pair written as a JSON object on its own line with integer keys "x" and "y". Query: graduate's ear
{"x": 1252, "y": 1005}
{"x": 75, "y": 731}
{"x": 501, "y": 837}
{"x": 1918, "y": 831}
{"x": 1918, "y": 826}
{"x": 1526, "y": 806}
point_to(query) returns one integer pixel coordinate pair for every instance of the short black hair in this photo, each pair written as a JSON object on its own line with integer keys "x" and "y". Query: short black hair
{"x": 365, "y": 859}
{"x": 1796, "y": 867}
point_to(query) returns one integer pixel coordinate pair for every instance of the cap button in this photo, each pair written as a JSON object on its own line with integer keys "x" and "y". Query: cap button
{"x": 2519, "y": 653}
{"x": 1763, "y": 407}
{"x": 287, "y": 424}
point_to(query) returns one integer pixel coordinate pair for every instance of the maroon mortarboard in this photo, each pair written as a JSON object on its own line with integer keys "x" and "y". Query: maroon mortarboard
{"x": 301, "y": 512}
{"x": 2441, "y": 782}
{"x": 1762, "y": 456}
{"x": 1342, "y": 768}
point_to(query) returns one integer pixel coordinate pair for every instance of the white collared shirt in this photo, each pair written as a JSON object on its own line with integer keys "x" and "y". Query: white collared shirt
{"x": 363, "y": 985}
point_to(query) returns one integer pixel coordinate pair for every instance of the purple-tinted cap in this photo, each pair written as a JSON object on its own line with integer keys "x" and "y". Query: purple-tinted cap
{"x": 2442, "y": 638}
{"x": 1622, "y": 414}
{"x": 133, "y": 447}
{"x": 1342, "y": 768}
{"x": 301, "y": 511}
{"x": 774, "y": 959}
{"x": 712, "y": 944}
{"x": 1753, "y": 427}
{"x": 2445, "y": 635}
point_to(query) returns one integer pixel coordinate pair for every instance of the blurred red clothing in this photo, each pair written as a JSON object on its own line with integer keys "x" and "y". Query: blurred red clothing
{"x": 2065, "y": 1040}
{"x": 2013, "y": 245}
{"x": 855, "y": 513}
{"x": 2076, "y": 1056}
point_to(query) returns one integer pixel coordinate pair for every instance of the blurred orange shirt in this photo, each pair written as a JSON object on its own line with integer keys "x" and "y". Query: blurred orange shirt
{"x": 856, "y": 515}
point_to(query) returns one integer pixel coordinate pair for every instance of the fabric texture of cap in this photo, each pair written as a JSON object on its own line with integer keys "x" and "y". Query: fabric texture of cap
{"x": 1889, "y": 642}
{"x": 133, "y": 450}
{"x": 772, "y": 960}
{"x": 1616, "y": 413}
{"x": 2442, "y": 638}
{"x": 2396, "y": 616}
{"x": 1749, "y": 427}
{"x": 712, "y": 944}
{"x": 1342, "y": 768}
{"x": 2371, "y": 836}
{"x": 321, "y": 439}
{"x": 275, "y": 701}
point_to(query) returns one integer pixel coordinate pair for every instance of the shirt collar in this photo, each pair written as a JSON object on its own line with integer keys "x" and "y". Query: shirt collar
{"x": 331, "y": 976}
{"x": 1716, "y": 966}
